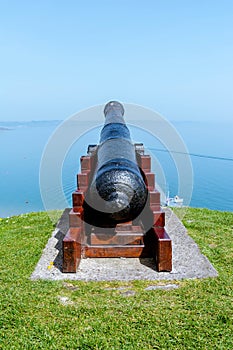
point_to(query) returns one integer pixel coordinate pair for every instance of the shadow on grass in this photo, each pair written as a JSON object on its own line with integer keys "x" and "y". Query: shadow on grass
{"x": 58, "y": 260}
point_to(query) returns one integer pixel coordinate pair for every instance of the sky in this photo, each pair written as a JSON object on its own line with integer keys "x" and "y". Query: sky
{"x": 60, "y": 57}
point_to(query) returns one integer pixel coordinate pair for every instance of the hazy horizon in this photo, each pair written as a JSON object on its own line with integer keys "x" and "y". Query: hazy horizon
{"x": 225, "y": 121}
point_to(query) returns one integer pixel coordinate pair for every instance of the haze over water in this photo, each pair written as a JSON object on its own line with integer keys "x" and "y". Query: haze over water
{"x": 22, "y": 145}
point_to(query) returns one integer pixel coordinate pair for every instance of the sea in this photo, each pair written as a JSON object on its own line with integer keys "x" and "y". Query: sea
{"x": 206, "y": 169}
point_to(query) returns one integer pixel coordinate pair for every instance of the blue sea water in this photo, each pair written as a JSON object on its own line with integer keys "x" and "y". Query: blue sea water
{"x": 22, "y": 145}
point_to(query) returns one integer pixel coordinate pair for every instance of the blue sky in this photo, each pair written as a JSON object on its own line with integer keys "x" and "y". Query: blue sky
{"x": 59, "y": 57}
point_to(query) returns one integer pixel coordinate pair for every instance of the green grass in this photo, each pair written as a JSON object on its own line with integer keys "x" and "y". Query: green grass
{"x": 197, "y": 315}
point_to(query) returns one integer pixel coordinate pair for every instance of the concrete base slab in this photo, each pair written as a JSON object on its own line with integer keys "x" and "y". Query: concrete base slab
{"x": 187, "y": 260}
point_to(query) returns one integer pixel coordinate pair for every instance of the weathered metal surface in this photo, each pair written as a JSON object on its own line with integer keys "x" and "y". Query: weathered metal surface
{"x": 117, "y": 191}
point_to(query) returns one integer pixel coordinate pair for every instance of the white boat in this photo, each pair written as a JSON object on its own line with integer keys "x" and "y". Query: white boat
{"x": 174, "y": 201}
{"x": 177, "y": 199}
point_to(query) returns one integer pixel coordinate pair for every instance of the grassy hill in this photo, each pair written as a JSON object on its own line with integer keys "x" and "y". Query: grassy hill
{"x": 81, "y": 315}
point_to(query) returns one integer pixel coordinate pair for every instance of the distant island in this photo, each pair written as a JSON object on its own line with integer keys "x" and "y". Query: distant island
{"x": 4, "y": 128}
{"x": 9, "y": 125}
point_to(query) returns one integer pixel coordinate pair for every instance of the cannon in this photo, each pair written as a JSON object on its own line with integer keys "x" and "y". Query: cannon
{"x": 117, "y": 192}
{"x": 116, "y": 208}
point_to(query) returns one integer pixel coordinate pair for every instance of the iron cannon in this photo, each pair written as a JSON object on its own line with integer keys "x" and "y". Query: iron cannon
{"x": 116, "y": 209}
{"x": 117, "y": 191}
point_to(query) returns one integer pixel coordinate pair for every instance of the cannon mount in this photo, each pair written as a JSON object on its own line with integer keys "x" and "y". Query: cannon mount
{"x": 144, "y": 237}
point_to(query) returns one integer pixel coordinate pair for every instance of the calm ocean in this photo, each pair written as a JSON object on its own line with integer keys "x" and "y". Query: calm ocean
{"x": 22, "y": 144}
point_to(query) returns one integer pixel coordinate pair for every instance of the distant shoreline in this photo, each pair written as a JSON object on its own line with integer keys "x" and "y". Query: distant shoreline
{"x": 4, "y": 129}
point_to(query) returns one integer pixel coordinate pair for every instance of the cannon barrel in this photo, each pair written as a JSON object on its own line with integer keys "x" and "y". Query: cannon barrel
{"x": 117, "y": 189}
